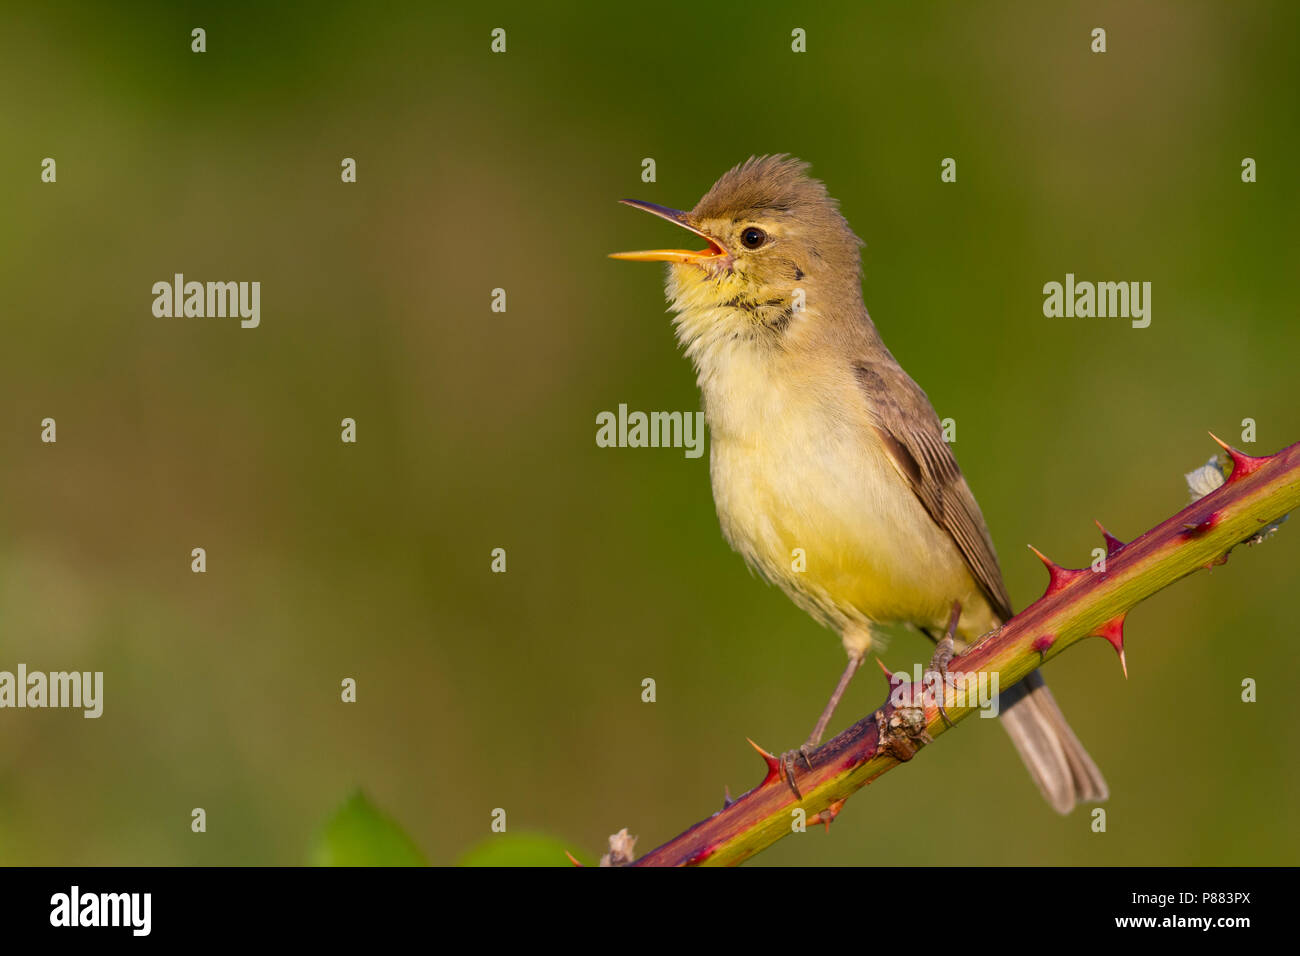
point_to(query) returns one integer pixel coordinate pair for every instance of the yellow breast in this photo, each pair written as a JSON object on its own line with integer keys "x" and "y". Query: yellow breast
{"x": 807, "y": 494}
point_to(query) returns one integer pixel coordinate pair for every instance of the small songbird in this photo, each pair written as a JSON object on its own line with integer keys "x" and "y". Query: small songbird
{"x": 821, "y": 442}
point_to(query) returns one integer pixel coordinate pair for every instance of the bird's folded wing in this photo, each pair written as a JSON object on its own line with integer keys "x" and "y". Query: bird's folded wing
{"x": 910, "y": 431}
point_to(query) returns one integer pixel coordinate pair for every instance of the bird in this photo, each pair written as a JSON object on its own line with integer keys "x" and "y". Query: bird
{"x": 821, "y": 445}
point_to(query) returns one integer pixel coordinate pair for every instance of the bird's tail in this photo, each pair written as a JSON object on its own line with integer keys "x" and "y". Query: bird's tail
{"x": 1056, "y": 760}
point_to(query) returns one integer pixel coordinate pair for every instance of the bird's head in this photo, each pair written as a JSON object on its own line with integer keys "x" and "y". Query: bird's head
{"x": 775, "y": 242}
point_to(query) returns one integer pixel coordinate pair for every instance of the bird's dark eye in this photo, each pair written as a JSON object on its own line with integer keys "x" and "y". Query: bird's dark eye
{"x": 753, "y": 237}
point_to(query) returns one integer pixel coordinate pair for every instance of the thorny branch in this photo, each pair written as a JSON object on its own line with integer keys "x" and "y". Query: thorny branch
{"x": 1078, "y": 603}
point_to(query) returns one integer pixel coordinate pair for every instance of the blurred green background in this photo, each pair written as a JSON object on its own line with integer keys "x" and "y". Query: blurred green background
{"x": 476, "y": 430}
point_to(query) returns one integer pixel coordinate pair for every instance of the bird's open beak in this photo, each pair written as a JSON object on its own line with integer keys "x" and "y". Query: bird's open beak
{"x": 714, "y": 251}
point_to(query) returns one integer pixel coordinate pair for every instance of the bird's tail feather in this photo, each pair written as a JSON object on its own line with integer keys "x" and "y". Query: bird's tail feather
{"x": 1056, "y": 760}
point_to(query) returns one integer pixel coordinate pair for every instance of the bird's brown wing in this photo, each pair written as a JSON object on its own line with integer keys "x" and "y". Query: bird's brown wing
{"x": 910, "y": 431}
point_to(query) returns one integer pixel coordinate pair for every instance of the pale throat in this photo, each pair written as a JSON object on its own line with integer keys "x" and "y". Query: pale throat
{"x": 723, "y": 320}
{"x": 758, "y": 386}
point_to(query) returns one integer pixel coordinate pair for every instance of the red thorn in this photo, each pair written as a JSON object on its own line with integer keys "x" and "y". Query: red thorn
{"x": 1041, "y": 644}
{"x": 572, "y": 859}
{"x": 1113, "y": 543}
{"x": 704, "y": 854}
{"x": 1113, "y": 632}
{"x": 1203, "y": 527}
{"x": 773, "y": 764}
{"x": 889, "y": 675}
{"x": 1059, "y": 577}
{"x": 827, "y": 815}
{"x": 1242, "y": 464}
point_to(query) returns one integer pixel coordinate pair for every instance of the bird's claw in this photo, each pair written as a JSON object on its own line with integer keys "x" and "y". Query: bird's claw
{"x": 788, "y": 766}
{"x": 944, "y": 651}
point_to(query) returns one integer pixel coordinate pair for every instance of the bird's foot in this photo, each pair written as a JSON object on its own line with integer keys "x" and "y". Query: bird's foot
{"x": 944, "y": 651}
{"x": 788, "y": 761}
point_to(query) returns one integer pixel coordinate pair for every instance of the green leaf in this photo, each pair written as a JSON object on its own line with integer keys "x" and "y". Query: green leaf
{"x": 520, "y": 849}
{"x": 360, "y": 834}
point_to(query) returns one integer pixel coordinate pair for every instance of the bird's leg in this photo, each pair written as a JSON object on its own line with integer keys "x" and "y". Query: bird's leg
{"x": 788, "y": 758}
{"x": 943, "y": 653}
